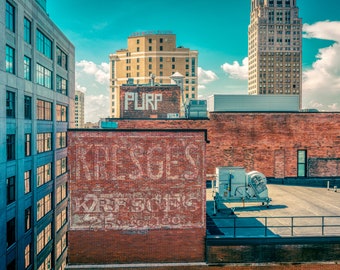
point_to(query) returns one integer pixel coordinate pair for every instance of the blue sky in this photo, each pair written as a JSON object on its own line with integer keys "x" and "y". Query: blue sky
{"x": 218, "y": 29}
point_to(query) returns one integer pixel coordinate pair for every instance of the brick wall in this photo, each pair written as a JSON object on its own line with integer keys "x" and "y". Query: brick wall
{"x": 266, "y": 142}
{"x": 149, "y": 101}
{"x": 136, "y": 196}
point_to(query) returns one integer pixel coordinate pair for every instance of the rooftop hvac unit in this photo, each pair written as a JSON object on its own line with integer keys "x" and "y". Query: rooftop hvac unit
{"x": 233, "y": 185}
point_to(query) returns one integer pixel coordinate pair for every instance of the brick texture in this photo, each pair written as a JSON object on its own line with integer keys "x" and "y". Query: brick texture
{"x": 149, "y": 101}
{"x": 136, "y": 196}
{"x": 266, "y": 142}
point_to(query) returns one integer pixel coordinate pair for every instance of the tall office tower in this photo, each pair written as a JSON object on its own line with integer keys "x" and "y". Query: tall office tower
{"x": 37, "y": 74}
{"x": 152, "y": 53}
{"x": 274, "y": 48}
{"x": 79, "y": 103}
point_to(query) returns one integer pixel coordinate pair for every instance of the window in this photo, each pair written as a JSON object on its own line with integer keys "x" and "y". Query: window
{"x": 161, "y": 48}
{"x": 44, "y": 142}
{"x": 173, "y": 66}
{"x": 43, "y": 206}
{"x": 193, "y": 65}
{"x": 150, "y": 48}
{"x": 161, "y": 59}
{"x": 10, "y": 182}
{"x": 28, "y": 107}
{"x": 44, "y": 76}
{"x": 10, "y": 232}
{"x": 28, "y": 144}
{"x": 10, "y": 143}
{"x": 61, "y": 140}
{"x": 10, "y": 13}
{"x": 302, "y": 163}
{"x": 137, "y": 41}
{"x": 27, "y": 30}
{"x": 10, "y": 60}
{"x": 28, "y": 218}
{"x": 44, "y": 110}
{"x": 61, "y": 245}
{"x": 161, "y": 40}
{"x": 10, "y": 104}
{"x": 61, "y": 85}
{"x": 44, "y": 44}
{"x": 27, "y": 256}
{"x": 61, "y": 166}
{"x": 61, "y": 58}
{"x": 61, "y": 193}
{"x": 61, "y": 113}
{"x": 150, "y": 40}
{"x": 27, "y": 68}
{"x": 61, "y": 219}
{"x": 28, "y": 181}
{"x": 43, "y": 174}
{"x": 43, "y": 238}
{"x": 46, "y": 264}
{"x": 150, "y": 66}
{"x": 173, "y": 59}
{"x": 160, "y": 66}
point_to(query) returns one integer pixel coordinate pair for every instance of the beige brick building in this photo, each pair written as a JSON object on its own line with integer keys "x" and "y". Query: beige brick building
{"x": 79, "y": 109}
{"x": 152, "y": 52}
{"x": 274, "y": 48}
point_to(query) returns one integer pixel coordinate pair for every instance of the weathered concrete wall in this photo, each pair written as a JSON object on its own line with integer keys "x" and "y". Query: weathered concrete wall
{"x": 136, "y": 196}
{"x": 266, "y": 142}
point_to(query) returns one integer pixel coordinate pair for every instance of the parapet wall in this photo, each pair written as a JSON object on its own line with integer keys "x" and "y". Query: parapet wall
{"x": 266, "y": 142}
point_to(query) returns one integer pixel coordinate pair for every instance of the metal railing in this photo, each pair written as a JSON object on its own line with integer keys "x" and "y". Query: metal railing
{"x": 254, "y": 227}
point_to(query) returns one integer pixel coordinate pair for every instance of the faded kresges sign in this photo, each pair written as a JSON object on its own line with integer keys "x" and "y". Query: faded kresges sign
{"x": 136, "y": 180}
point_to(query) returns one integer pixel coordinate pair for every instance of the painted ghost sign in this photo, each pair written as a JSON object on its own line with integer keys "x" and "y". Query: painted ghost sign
{"x": 137, "y": 180}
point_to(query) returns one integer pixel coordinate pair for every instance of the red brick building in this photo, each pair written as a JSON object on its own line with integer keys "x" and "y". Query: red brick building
{"x": 136, "y": 196}
{"x": 149, "y": 101}
{"x": 266, "y": 142}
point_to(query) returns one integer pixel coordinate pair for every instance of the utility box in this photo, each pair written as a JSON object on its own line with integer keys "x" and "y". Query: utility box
{"x": 234, "y": 184}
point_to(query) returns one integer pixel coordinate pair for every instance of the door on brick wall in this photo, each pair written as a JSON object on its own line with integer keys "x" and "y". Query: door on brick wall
{"x": 302, "y": 163}
{"x": 279, "y": 163}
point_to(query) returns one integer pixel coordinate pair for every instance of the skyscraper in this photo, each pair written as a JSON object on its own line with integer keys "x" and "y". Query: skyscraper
{"x": 79, "y": 103}
{"x": 37, "y": 75}
{"x": 155, "y": 54}
{"x": 274, "y": 48}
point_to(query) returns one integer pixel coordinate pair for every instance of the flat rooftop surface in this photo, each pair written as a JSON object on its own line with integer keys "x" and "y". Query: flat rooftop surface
{"x": 293, "y": 211}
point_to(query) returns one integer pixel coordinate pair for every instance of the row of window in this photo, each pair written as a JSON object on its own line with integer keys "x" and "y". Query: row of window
{"x": 44, "y": 143}
{"x": 44, "y": 108}
{"x": 44, "y": 206}
{"x": 43, "y": 43}
{"x": 43, "y": 176}
{"x": 44, "y": 76}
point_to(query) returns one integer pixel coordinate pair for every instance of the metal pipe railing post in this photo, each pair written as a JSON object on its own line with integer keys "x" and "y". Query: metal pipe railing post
{"x": 292, "y": 226}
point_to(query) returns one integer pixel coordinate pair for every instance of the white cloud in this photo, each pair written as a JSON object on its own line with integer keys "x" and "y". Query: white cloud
{"x": 81, "y": 88}
{"x": 321, "y": 83}
{"x": 237, "y": 71}
{"x": 93, "y": 80}
{"x": 100, "y": 72}
{"x": 206, "y": 76}
{"x": 96, "y": 106}
{"x": 322, "y": 30}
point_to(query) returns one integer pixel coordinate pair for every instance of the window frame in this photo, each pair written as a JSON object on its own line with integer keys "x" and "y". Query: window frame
{"x": 10, "y": 17}
{"x": 302, "y": 164}
{"x": 10, "y": 147}
{"x": 10, "y": 104}
{"x": 10, "y": 190}
{"x": 27, "y": 30}
{"x": 10, "y": 59}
